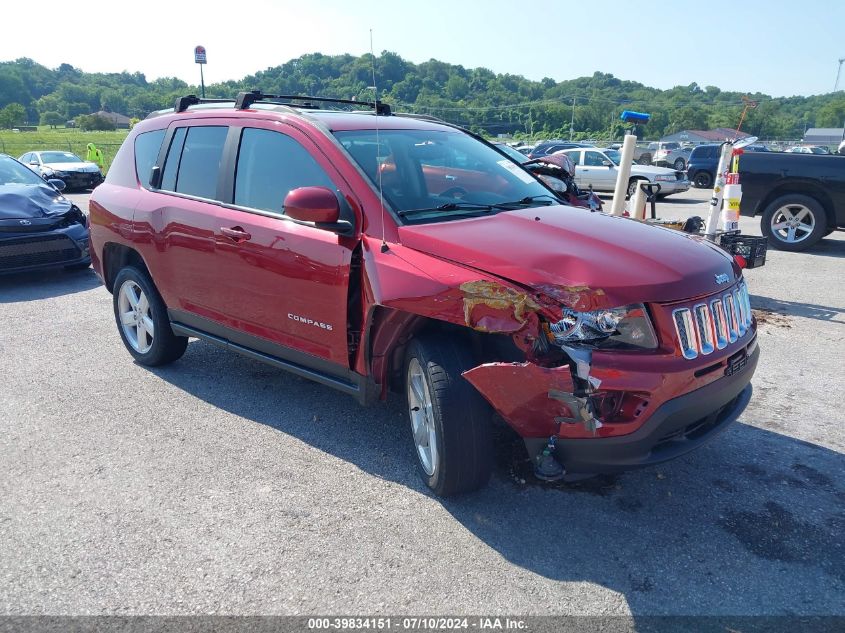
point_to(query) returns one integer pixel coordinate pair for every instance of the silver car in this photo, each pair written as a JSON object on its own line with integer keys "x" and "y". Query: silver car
{"x": 598, "y": 168}
{"x": 671, "y": 155}
{"x": 66, "y": 166}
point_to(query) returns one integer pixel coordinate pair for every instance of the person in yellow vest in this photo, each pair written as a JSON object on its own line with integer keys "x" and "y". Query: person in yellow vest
{"x": 94, "y": 155}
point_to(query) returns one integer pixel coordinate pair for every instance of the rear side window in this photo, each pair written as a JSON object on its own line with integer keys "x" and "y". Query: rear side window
{"x": 270, "y": 165}
{"x": 193, "y": 161}
{"x": 147, "y": 146}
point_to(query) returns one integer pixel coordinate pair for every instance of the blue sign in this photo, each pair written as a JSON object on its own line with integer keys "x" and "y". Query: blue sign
{"x": 629, "y": 116}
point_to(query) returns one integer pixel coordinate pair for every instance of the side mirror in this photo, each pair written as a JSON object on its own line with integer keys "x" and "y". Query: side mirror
{"x": 312, "y": 204}
{"x": 58, "y": 184}
{"x": 155, "y": 177}
{"x": 607, "y": 163}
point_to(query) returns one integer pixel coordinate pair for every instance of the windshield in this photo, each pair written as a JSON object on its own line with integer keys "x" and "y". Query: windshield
{"x": 59, "y": 157}
{"x": 437, "y": 175}
{"x": 513, "y": 153}
{"x": 13, "y": 173}
{"x": 613, "y": 155}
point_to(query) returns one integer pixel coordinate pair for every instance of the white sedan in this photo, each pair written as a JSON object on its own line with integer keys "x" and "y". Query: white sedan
{"x": 598, "y": 168}
{"x": 66, "y": 166}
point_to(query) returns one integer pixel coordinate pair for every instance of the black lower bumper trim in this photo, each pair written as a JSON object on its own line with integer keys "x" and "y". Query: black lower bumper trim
{"x": 677, "y": 427}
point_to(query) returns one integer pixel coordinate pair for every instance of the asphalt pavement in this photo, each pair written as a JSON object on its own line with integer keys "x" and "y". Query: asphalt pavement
{"x": 221, "y": 485}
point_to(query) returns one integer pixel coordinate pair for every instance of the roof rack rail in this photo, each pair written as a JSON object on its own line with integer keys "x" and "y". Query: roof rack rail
{"x": 182, "y": 103}
{"x": 246, "y": 99}
{"x": 422, "y": 117}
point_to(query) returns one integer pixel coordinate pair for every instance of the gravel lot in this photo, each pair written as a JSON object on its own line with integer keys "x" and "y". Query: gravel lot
{"x": 220, "y": 485}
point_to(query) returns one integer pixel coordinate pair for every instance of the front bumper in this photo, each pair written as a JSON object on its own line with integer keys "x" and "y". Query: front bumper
{"x": 677, "y": 427}
{"x": 675, "y": 186}
{"x": 82, "y": 180}
{"x": 23, "y": 252}
{"x": 669, "y": 407}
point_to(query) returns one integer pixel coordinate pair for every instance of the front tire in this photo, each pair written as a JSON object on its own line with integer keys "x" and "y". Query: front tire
{"x": 450, "y": 421}
{"x": 680, "y": 165}
{"x": 142, "y": 322}
{"x": 632, "y": 187}
{"x": 794, "y": 222}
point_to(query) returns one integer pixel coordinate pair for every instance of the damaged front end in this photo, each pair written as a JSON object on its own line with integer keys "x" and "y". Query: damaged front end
{"x": 558, "y": 393}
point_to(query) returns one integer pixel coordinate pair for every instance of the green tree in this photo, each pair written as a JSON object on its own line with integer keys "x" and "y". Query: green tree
{"x": 832, "y": 114}
{"x": 89, "y": 122}
{"x": 52, "y": 119}
{"x": 113, "y": 101}
{"x": 12, "y": 115}
{"x": 12, "y": 87}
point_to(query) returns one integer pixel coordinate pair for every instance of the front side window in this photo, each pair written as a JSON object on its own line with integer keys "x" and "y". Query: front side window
{"x": 270, "y": 165}
{"x": 613, "y": 155}
{"x": 594, "y": 159}
{"x": 435, "y": 175}
{"x": 192, "y": 167}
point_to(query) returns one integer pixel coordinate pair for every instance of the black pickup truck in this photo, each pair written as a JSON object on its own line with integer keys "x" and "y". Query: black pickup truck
{"x": 800, "y": 196}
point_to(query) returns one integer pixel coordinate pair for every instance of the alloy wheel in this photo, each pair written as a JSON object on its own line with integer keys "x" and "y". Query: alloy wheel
{"x": 135, "y": 317}
{"x": 793, "y": 223}
{"x": 422, "y": 417}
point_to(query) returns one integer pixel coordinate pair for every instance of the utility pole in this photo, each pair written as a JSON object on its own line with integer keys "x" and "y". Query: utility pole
{"x": 572, "y": 121}
{"x": 838, "y": 71}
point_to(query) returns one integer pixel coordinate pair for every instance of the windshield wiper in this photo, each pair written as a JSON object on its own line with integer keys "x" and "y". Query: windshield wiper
{"x": 451, "y": 206}
{"x": 477, "y": 206}
{"x": 528, "y": 200}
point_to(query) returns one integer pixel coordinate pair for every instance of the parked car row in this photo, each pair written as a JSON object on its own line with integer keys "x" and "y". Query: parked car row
{"x": 39, "y": 227}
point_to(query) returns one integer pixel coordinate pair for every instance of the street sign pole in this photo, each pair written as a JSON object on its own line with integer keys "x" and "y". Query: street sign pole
{"x": 201, "y": 59}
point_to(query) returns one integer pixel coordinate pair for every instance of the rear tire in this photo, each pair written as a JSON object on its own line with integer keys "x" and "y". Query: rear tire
{"x": 794, "y": 222}
{"x": 679, "y": 164}
{"x": 142, "y": 322}
{"x": 703, "y": 180}
{"x": 450, "y": 421}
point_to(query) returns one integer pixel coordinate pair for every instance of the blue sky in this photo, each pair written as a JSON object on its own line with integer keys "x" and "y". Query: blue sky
{"x": 776, "y": 47}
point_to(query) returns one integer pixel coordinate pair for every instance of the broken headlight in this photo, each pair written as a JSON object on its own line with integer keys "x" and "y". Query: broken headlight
{"x": 628, "y": 327}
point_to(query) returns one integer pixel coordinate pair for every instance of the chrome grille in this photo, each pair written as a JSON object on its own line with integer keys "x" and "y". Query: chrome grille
{"x": 703, "y": 328}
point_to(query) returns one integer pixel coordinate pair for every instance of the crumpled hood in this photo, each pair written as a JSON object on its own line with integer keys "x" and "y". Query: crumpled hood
{"x": 584, "y": 259}
{"x": 86, "y": 167}
{"x": 31, "y": 201}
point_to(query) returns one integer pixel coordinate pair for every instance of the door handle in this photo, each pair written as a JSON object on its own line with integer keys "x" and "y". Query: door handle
{"x": 235, "y": 233}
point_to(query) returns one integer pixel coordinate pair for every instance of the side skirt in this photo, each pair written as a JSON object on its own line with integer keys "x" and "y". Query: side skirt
{"x": 289, "y": 360}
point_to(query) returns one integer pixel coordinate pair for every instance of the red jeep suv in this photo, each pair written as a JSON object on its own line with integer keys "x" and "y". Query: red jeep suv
{"x": 372, "y": 251}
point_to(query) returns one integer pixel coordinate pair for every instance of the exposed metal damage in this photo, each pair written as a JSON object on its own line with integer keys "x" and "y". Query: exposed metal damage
{"x": 493, "y": 307}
